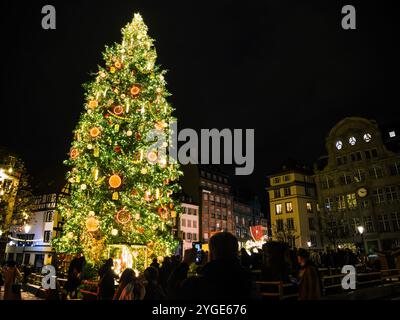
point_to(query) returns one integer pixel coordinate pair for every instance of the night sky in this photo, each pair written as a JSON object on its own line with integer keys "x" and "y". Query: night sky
{"x": 285, "y": 68}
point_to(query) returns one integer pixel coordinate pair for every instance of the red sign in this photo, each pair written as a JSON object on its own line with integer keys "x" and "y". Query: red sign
{"x": 257, "y": 232}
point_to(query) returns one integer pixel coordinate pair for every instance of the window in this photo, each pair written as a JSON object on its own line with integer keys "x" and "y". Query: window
{"x": 218, "y": 213}
{"x": 48, "y": 216}
{"x": 383, "y": 222}
{"x": 392, "y": 134}
{"x": 47, "y": 236}
{"x": 278, "y": 208}
{"x": 291, "y": 241}
{"x": 189, "y": 223}
{"x": 205, "y": 235}
{"x": 359, "y": 176}
{"x": 287, "y": 192}
{"x": 368, "y": 223}
{"x": 183, "y": 222}
{"x": 364, "y": 204}
{"x": 328, "y": 204}
{"x": 205, "y": 196}
{"x": 396, "y": 221}
{"x": 376, "y": 172}
{"x": 309, "y": 207}
{"x": 345, "y": 179}
{"x": 212, "y": 213}
{"x": 279, "y": 225}
{"x": 339, "y": 145}
{"x": 313, "y": 239}
{"x": 394, "y": 169}
{"x": 277, "y": 193}
{"x": 194, "y": 224}
{"x": 327, "y": 183}
{"x": 290, "y": 224}
{"x": 188, "y": 236}
{"x": 27, "y": 257}
{"x": 351, "y": 201}
{"x": 194, "y": 236}
{"x": 311, "y": 223}
{"x": 341, "y": 160}
{"x": 378, "y": 196}
{"x": 237, "y": 219}
{"x": 277, "y": 180}
{"x": 289, "y": 207}
{"x": 356, "y": 156}
{"x": 286, "y": 178}
{"x": 391, "y": 193}
{"x": 341, "y": 202}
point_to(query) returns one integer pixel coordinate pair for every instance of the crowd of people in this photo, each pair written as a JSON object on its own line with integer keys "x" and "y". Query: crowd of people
{"x": 224, "y": 274}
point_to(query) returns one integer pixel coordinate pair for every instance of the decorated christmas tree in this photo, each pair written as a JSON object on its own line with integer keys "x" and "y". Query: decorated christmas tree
{"x": 121, "y": 188}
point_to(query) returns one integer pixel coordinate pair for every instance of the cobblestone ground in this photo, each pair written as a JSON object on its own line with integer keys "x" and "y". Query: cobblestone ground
{"x": 24, "y": 295}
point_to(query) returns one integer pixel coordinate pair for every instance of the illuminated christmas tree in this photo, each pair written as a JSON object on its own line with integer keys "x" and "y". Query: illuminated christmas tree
{"x": 121, "y": 188}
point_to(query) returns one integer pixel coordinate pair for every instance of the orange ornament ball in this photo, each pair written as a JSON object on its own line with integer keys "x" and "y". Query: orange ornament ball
{"x": 118, "y": 65}
{"x": 93, "y": 104}
{"x": 74, "y": 153}
{"x": 152, "y": 156}
{"x": 135, "y": 90}
{"x": 115, "y": 181}
{"x": 92, "y": 224}
{"x": 94, "y": 132}
{"x": 118, "y": 110}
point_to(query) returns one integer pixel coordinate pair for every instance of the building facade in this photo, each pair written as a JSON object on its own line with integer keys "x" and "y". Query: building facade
{"x": 358, "y": 186}
{"x": 294, "y": 208}
{"x": 210, "y": 188}
{"x": 189, "y": 225}
{"x": 243, "y": 217}
{"x": 31, "y": 243}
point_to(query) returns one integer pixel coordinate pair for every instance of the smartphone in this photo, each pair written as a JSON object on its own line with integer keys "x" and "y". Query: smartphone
{"x": 199, "y": 254}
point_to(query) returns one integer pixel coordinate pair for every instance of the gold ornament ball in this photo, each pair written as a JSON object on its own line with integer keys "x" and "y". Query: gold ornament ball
{"x": 114, "y": 232}
{"x": 129, "y": 133}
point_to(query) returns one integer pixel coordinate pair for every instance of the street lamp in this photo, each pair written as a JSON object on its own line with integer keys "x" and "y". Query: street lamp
{"x": 27, "y": 228}
{"x": 361, "y": 231}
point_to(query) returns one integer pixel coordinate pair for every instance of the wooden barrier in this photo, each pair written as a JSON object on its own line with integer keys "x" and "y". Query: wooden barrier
{"x": 278, "y": 290}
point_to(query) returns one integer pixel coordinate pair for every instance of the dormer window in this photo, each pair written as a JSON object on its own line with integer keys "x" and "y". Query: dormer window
{"x": 339, "y": 145}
